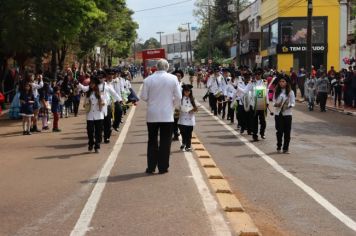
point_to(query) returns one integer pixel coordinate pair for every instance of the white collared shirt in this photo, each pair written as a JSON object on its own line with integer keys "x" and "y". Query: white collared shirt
{"x": 214, "y": 84}
{"x": 162, "y": 92}
{"x": 287, "y": 101}
{"x": 185, "y": 117}
{"x": 95, "y": 112}
{"x": 35, "y": 87}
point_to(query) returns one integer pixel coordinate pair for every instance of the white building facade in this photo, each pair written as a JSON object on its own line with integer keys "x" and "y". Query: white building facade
{"x": 179, "y": 48}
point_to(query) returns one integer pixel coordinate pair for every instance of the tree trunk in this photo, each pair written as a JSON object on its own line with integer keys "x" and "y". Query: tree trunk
{"x": 54, "y": 63}
{"x": 62, "y": 53}
{"x": 2, "y": 73}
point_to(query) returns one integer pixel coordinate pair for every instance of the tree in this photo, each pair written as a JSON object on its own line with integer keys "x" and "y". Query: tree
{"x": 114, "y": 34}
{"x": 151, "y": 43}
{"x": 223, "y": 27}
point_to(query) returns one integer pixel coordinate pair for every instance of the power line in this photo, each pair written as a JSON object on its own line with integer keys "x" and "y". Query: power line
{"x": 164, "y": 6}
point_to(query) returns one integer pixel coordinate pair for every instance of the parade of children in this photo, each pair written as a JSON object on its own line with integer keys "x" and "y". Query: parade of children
{"x": 250, "y": 95}
{"x": 48, "y": 101}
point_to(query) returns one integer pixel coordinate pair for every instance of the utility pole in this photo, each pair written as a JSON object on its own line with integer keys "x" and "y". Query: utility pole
{"x": 238, "y": 61}
{"x": 160, "y": 37}
{"x": 309, "y": 58}
{"x": 190, "y": 43}
{"x": 209, "y": 19}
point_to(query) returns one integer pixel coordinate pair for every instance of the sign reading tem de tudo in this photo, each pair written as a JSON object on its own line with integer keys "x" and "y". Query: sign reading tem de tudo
{"x": 317, "y": 48}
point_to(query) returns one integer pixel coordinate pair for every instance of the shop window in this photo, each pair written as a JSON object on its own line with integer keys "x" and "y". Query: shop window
{"x": 294, "y": 31}
{"x": 265, "y": 37}
{"x": 274, "y": 34}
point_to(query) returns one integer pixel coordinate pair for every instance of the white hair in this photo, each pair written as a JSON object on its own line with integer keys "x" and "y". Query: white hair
{"x": 162, "y": 64}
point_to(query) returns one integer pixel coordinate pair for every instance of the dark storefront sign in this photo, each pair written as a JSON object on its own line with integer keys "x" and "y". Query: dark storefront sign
{"x": 317, "y": 48}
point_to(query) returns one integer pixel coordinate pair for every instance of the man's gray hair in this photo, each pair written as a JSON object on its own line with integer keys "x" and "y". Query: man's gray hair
{"x": 162, "y": 64}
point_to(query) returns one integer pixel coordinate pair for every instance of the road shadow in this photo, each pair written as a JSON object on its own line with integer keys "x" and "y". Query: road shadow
{"x": 229, "y": 144}
{"x": 133, "y": 143}
{"x": 320, "y": 128}
{"x": 76, "y": 138}
{"x": 67, "y": 146}
{"x": 117, "y": 178}
{"x": 65, "y": 156}
{"x": 12, "y": 134}
{"x": 222, "y": 136}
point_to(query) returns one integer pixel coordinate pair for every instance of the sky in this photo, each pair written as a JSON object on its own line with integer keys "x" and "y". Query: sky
{"x": 166, "y": 19}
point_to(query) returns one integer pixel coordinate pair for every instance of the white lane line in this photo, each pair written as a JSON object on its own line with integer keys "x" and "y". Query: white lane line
{"x": 216, "y": 218}
{"x": 82, "y": 225}
{"x": 310, "y": 191}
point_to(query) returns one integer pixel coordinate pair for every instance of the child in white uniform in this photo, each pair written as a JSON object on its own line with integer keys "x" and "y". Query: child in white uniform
{"x": 186, "y": 120}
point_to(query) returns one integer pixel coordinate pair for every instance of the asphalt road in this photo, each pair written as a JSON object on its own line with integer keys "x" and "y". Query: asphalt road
{"x": 48, "y": 179}
{"x": 323, "y": 148}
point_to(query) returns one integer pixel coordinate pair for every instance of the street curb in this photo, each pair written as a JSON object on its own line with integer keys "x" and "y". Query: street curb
{"x": 333, "y": 109}
{"x": 241, "y": 222}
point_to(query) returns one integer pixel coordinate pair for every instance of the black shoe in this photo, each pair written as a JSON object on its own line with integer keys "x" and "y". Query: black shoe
{"x": 150, "y": 172}
{"x": 97, "y": 150}
{"x": 188, "y": 149}
{"x": 255, "y": 139}
{"x": 45, "y": 128}
{"x": 106, "y": 140}
{"x": 263, "y": 136}
{"x": 242, "y": 131}
{"x": 24, "y": 133}
{"x": 28, "y": 133}
{"x": 182, "y": 147}
{"x": 161, "y": 172}
{"x": 90, "y": 148}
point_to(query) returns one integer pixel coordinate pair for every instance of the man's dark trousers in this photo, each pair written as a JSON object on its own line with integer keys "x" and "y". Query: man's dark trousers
{"x": 259, "y": 117}
{"x": 107, "y": 123}
{"x": 118, "y": 115}
{"x": 158, "y": 154}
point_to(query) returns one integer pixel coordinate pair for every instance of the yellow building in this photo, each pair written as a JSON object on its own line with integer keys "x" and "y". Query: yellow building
{"x": 284, "y": 38}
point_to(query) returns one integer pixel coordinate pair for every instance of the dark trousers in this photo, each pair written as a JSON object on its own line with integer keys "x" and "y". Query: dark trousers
{"x": 258, "y": 116}
{"x": 221, "y": 106}
{"x": 337, "y": 96}
{"x": 175, "y": 128}
{"x": 186, "y": 132}
{"x": 107, "y": 124}
{"x": 55, "y": 120}
{"x": 245, "y": 118}
{"x": 230, "y": 112}
{"x": 212, "y": 102}
{"x": 283, "y": 126}
{"x": 118, "y": 116}
{"x": 76, "y": 102}
{"x": 94, "y": 130}
{"x": 322, "y": 100}
{"x": 158, "y": 154}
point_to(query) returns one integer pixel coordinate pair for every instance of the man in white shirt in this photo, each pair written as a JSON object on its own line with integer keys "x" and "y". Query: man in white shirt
{"x": 222, "y": 99}
{"x": 215, "y": 90}
{"x": 162, "y": 92}
{"x": 118, "y": 87}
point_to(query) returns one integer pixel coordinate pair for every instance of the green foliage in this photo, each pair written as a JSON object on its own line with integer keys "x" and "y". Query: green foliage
{"x": 34, "y": 27}
{"x": 223, "y": 28}
{"x": 151, "y": 43}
